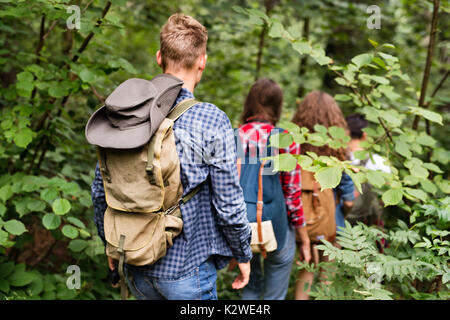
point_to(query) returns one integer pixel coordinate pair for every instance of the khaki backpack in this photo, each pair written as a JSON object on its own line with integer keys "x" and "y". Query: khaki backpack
{"x": 319, "y": 209}
{"x": 143, "y": 191}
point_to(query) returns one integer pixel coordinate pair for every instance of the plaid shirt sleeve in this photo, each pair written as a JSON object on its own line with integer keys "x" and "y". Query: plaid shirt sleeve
{"x": 99, "y": 202}
{"x": 291, "y": 184}
{"x": 227, "y": 195}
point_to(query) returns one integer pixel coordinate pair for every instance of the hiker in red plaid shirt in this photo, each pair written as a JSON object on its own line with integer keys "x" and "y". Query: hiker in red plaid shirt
{"x": 262, "y": 111}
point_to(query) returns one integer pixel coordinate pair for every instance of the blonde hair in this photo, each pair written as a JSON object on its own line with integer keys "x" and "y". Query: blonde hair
{"x": 182, "y": 40}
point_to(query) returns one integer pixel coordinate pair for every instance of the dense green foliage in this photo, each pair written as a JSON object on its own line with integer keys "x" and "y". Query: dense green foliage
{"x": 53, "y": 79}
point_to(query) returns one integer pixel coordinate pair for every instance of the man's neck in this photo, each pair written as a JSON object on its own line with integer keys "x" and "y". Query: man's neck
{"x": 189, "y": 78}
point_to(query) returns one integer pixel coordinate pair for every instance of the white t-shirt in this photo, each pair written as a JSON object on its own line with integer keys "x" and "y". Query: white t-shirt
{"x": 376, "y": 164}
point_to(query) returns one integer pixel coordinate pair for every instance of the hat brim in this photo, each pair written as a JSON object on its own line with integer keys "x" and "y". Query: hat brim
{"x": 100, "y": 132}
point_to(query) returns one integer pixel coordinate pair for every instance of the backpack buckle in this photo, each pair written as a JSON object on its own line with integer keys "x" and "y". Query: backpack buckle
{"x": 172, "y": 208}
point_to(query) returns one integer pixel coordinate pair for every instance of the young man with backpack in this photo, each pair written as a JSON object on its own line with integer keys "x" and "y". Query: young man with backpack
{"x": 172, "y": 218}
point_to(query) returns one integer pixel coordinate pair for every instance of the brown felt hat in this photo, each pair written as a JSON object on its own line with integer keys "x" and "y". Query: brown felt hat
{"x": 133, "y": 112}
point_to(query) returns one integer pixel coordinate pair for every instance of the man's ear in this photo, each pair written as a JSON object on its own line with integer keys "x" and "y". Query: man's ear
{"x": 159, "y": 58}
{"x": 202, "y": 64}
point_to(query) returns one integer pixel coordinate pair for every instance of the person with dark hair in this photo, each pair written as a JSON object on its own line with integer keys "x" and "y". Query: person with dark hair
{"x": 356, "y": 123}
{"x": 274, "y": 196}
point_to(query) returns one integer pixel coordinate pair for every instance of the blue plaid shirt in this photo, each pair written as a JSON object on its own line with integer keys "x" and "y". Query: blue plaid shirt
{"x": 215, "y": 219}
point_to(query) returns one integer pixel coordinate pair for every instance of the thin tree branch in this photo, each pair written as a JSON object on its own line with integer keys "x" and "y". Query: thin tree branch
{"x": 302, "y": 65}
{"x": 426, "y": 74}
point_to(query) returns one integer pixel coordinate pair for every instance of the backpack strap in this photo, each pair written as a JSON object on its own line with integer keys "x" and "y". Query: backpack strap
{"x": 259, "y": 210}
{"x": 173, "y": 115}
{"x": 102, "y": 164}
{"x": 181, "y": 108}
{"x": 259, "y": 204}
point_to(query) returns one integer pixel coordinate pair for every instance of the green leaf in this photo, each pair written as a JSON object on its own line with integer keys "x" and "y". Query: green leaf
{"x": 49, "y": 195}
{"x": 51, "y": 221}
{"x": 417, "y": 193}
{"x": 15, "y": 227}
{"x": 87, "y": 76}
{"x": 289, "y": 126}
{"x": 6, "y": 269}
{"x": 3, "y": 209}
{"x": 428, "y": 186}
{"x": 61, "y": 206}
{"x": 20, "y": 278}
{"x": 402, "y": 148}
{"x": 36, "y": 205}
{"x": 392, "y": 197}
{"x": 4, "y": 285}
{"x": 276, "y": 30}
{"x": 328, "y": 177}
{"x": 336, "y": 132}
{"x": 427, "y": 114}
{"x": 418, "y": 171}
{"x": 320, "y": 129}
{"x": 23, "y": 137}
{"x": 70, "y": 232}
{"x": 281, "y": 140}
{"x": 285, "y": 162}
{"x": 77, "y": 245}
{"x": 362, "y": 59}
{"x": 342, "y": 97}
{"x": 302, "y": 47}
{"x": 6, "y": 192}
{"x": 76, "y": 222}
{"x": 375, "y": 178}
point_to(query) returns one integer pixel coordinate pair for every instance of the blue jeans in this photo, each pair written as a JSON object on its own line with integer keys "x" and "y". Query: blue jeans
{"x": 274, "y": 283}
{"x": 199, "y": 284}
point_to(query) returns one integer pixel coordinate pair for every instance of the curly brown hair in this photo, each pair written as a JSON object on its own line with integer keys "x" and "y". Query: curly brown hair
{"x": 320, "y": 108}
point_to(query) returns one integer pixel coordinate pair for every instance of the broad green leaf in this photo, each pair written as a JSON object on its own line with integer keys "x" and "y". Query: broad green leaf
{"x": 362, "y": 59}
{"x": 49, "y": 195}
{"x": 36, "y": 205}
{"x": 402, "y": 148}
{"x": 87, "y": 76}
{"x": 302, "y": 47}
{"x": 51, "y": 221}
{"x": 336, "y": 132}
{"x": 392, "y": 197}
{"x": 20, "y": 278}
{"x": 328, "y": 177}
{"x": 23, "y": 137}
{"x": 6, "y": 192}
{"x": 70, "y": 232}
{"x": 417, "y": 193}
{"x": 320, "y": 129}
{"x": 281, "y": 140}
{"x": 276, "y": 30}
{"x": 285, "y": 162}
{"x": 427, "y": 114}
{"x": 375, "y": 178}
{"x": 289, "y": 126}
{"x": 342, "y": 97}
{"x": 77, "y": 245}
{"x": 15, "y": 227}
{"x": 304, "y": 161}
{"x": 76, "y": 222}
{"x": 61, "y": 206}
